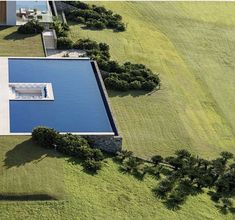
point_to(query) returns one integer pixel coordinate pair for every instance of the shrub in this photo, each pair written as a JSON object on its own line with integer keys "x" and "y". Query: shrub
{"x": 154, "y": 78}
{"x": 86, "y": 152}
{"x": 61, "y": 29}
{"x": 70, "y": 144}
{"x": 104, "y": 46}
{"x": 45, "y": 137}
{"x": 125, "y": 76}
{"x": 97, "y": 17}
{"x": 121, "y": 156}
{"x": 98, "y": 155}
{"x": 136, "y": 85}
{"x": 111, "y": 82}
{"x": 79, "y": 4}
{"x": 31, "y": 27}
{"x": 122, "y": 85}
{"x": 120, "y": 27}
{"x": 92, "y": 165}
{"x": 114, "y": 67}
{"x": 116, "y": 76}
{"x": 79, "y": 20}
{"x": 157, "y": 159}
{"x": 86, "y": 44}
{"x": 149, "y": 85}
{"x": 99, "y": 25}
{"x": 64, "y": 43}
{"x": 115, "y": 83}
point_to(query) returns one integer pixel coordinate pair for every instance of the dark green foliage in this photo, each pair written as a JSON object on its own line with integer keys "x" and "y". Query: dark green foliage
{"x": 95, "y": 24}
{"x": 164, "y": 188}
{"x": 60, "y": 28}
{"x": 98, "y": 155}
{"x": 135, "y": 85}
{"x": 116, "y": 84}
{"x": 174, "y": 200}
{"x": 134, "y": 166}
{"x": 118, "y": 77}
{"x": 121, "y": 156}
{"x": 157, "y": 159}
{"x": 86, "y": 44}
{"x": 85, "y": 152}
{"x": 95, "y": 17}
{"x": 92, "y": 165}
{"x": 71, "y": 145}
{"x": 185, "y": 175}
{"x": 46, "y": 137}
{"x": 64, "y": 43}
{"x": 79, "y": 20}
{"x": 148, "y": 85}
{"x": 31, "y": 27}
{"x": 103, "y": 47}
{"x": 226, "y": 155}
{"x": 120, "y": 27}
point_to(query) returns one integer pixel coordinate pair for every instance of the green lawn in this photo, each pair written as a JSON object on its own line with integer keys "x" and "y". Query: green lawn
{"x": 191, "y": 46}
{"x": 26, "y": 169}
{"x": 14, "y": 44}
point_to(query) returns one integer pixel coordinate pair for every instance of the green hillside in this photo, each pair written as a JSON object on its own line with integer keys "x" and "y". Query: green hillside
{"x": 191, "y": 46}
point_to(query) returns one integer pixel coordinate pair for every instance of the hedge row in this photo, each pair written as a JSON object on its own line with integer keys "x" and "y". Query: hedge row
{"x": 123, "y": 77}
{"x": 94, "y": 17}
{"x": 71, "y": 145}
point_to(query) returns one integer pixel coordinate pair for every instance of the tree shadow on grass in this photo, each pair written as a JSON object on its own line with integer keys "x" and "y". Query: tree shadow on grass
{"x": 16, "y": 36}
{"x": 2, "y": 28}
{"x": 113, "y": 93}
{"x": 27, "y": 152}
{"x": 26, "y": 197}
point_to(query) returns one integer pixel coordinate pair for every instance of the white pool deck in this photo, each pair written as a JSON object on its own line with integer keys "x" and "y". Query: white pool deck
{"x": 4, "y": 97}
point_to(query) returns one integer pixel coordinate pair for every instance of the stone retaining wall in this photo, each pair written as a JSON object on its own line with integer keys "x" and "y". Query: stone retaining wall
{"x": 111, "y": 144}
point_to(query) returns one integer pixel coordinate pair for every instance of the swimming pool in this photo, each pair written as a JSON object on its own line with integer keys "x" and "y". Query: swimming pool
{"x": 78, "y": 106}
{"x": 39, "y": 5}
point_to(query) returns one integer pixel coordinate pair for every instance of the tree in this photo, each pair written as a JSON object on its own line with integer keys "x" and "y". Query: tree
{"x": 226, "y": 155}
{"x": 157, "y": 159}
{"x": 124, "y": 154}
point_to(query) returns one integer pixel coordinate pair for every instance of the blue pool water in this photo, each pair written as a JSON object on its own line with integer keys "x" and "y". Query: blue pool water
{"x": 78, "y": 104}
{"x": 40, "y": 5}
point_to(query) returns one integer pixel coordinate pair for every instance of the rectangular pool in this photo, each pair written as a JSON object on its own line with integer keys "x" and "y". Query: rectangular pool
{"x": 39, "y": 5}
{"x": 78, "y": 106}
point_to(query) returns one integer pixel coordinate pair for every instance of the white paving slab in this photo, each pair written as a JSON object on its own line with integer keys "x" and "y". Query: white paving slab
{"x": 4, "y": 97}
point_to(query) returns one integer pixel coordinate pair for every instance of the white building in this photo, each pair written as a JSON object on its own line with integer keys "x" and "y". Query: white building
{"x": 8, "y": 12}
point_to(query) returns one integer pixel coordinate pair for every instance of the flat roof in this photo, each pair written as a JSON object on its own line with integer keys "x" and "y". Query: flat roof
{"x": 79, "y": 104}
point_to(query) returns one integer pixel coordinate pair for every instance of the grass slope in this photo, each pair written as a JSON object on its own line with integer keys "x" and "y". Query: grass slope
{"x": 14, "y": 44}
{"x": 26, "y": 169}
{"x": 191, "y": 46}
{"x": 108, "y": 194}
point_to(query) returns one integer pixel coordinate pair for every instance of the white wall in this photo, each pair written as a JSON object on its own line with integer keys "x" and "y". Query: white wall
{"x": 11, "y": 13}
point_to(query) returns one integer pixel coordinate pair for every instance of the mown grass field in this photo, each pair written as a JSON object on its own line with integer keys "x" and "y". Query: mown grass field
{"x": 191, "y": 46}
{"x": 187, "y": 112}
{"x": 26, "y": 169}
{"x": 14, "y": 44}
